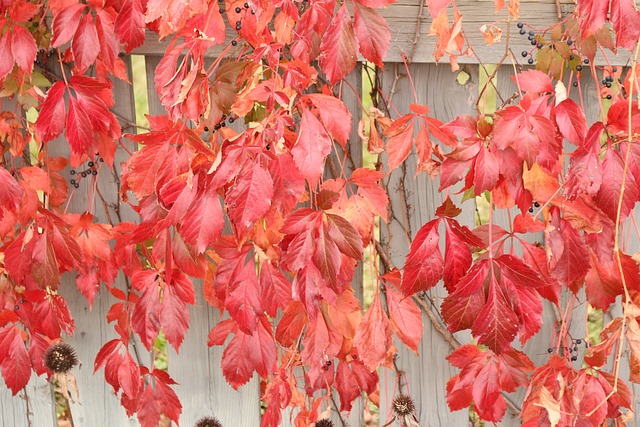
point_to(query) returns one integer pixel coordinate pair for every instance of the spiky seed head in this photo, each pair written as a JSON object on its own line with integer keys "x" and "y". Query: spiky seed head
{"x": 403, "y": 405}
{"x": 60, "y": 358}
{"x": 208, "y": 422}
{"x": 323, "y": 423}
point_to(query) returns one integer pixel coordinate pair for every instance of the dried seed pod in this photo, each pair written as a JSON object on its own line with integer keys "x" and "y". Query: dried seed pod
{"x": 403, "y": 405}
{"x": 324, "y": 423}
{"x": 60, "y": 358}
{"x": 208, "y": 422}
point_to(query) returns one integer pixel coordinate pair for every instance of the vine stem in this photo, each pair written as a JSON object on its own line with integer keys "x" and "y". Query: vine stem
{"x": 616, "y": 238}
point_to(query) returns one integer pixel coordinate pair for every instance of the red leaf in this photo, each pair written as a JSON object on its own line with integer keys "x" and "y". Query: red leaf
{"x": 174, "y": 315}
{"x": 85, "y": 45}
{"x": 405, "y": 317}
{"x": 339, "y": 46}
{"x": 130, "y": 25}
{"x": 399, "y": 146}
{"x": 167, "y": 399}
{"x": 424, "y": 265}
{"x": 313, "y": 145}
{"x": 334, "y": 116}
{"x": 243, "y": 302}
{"x": 5, "y": 52}
{"x": 486, "y": 171}
{"x": 290, "y": 326}
{"x": 372, "y": 32}
{"x": 66, "y": 23}
{"x": 23, "y": 48}
{"x": 436, "y": 6}
{"x": 105, "y": 353}
{"x": 129, "y": 377}
{"x": 569, "y": 260}
{"x": 497, "y": 325}
{"x": 275, "y": 289}
{"x": 593, "y": 14}
{"x": 246, "y": 353}
{"x": 321, "y": 343}
{"x": 16, "y": 368}
{"x": 373, "y": 337}
{"x": 610, "y": 190}
{"x": 52, "y": 117}
{"x": 369, "y": 188}
{"x": 148, "y": 408}
{"x": 533, "y": 81}
{"x": 457, "y": 259}
{"x": 626, "y": 23}
{"x": 203, "y": 221}
{"x": 79, "y": 130}
{"x": 250, "y": 197}
{"x": 571, "y": 121}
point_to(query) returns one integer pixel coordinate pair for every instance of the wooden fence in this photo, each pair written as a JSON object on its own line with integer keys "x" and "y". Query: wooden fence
{"x": 202, "y": 389}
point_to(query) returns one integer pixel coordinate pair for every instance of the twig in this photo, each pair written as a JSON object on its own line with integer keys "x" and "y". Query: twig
{"x": 335, "y": 405}
{"x": 416, "y": 36}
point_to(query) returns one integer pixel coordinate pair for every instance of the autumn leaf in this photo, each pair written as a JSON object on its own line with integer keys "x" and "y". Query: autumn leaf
{"x": 339, "y": 46}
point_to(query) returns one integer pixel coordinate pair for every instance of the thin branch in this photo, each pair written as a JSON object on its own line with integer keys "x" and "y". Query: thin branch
{"x": 416, "y": 36}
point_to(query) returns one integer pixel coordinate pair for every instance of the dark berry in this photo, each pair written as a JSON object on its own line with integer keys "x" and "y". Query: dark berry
{"x": 72, "y": 172}
{"x": 575, "y": 84}
{"x": 609, "y": 96}
{"x": 16, "y": 307}
{"x": 94, "y": 172}
{"x": 531, "y": 209}
{"x": 536, "y": 204}
{"x": 328, "y": 362}
{"x": 72, "y": 182}
{"x": 216, "y": 127}
{"x": 403, "y": 405}
{"x": 615, "y": 69}
{"x": 121, "y": 54}
{"x": 533, "y": 42}
{"x": 524, "y": 53}
{"x": 532, "y": 33}
{"x": 578, "y": 67}
{"x": 223, "y": 118}
{"x": 246, "y": 5}
{"x": 604, "y": 81}
{"x": 574, "y": 358}
{"x": 84, "y": 174}
{"x": 268, "y": 147}
{"x": 586, "y": 61}
{"x": 530, "y": 38}
{"x": 234, "y": 43}
{"x": 569, "y": 42}
{"x": 238, "y": 10}
{"x": 231, "y": 119}
{"x": 221, "y": 11}
{"x": 607, "y": 84}
{"x": 77, "y": 185}
{"x": 223, "y": 124}
{"x": 101, "y": 160}
{"x": 90, "y": 164}
{"x": 550, "y": 350}
{"x": 35, "y": 24}
{"x": 42, "y": 51}
{"x": 530, "y": 61}
{"x": 578, "y": 341}
{"x": 520, "y": 24}
{"x": 253, "y": 12}
{"x": 60, "y": 358}
{"x": 571, "y": 57}
{"x": 523, "y": 32}
{"x": 539, "y": 45}
{"x": 206, "y": 129}
{"x": 208, "y": 422}
{"x": 609, "y": 79}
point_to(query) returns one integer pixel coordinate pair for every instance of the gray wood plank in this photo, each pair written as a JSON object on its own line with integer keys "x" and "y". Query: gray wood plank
{"x": 98, "y": 405}
{"x": 202, "y": 389}
{"x": 32, "y": 406}
{"x": 401, "y": 18}
{"x": 428, "y": 373}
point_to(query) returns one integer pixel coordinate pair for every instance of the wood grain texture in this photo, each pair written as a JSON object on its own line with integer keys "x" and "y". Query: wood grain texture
{"x": 202, "y": 389}
{"x": 98, "y": 405}
{"x": 32, "y": 406}
{"x": 426, "y": 376}
{"x": 401, "y": 18}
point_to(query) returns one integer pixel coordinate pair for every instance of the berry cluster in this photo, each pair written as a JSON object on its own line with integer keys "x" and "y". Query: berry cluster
{"x": 222, "y": 123}
{"x": 92, "y": 169}
{"x": 43, "y": 56}
{"x": 238, "y": 10}
{"x": 532, "y": 39}
{"x": 536, "y": 205}
{"x": 572, "y": 350}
